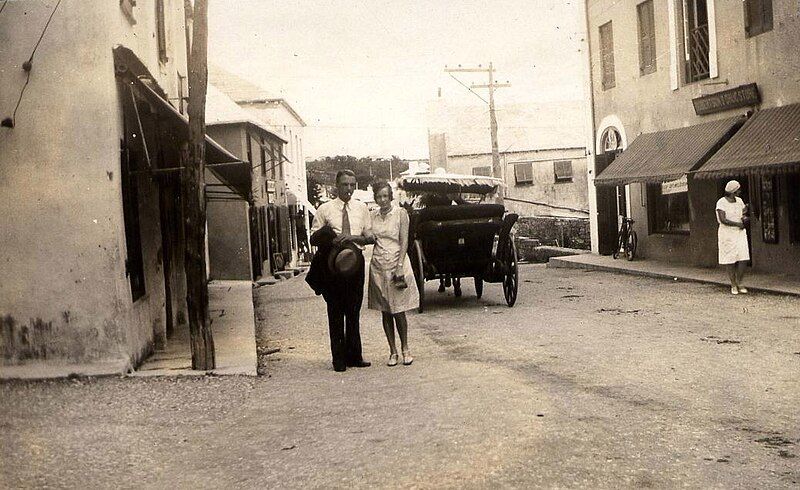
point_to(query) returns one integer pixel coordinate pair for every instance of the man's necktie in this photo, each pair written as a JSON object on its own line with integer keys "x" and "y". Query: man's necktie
{"x": 345, "y": 221}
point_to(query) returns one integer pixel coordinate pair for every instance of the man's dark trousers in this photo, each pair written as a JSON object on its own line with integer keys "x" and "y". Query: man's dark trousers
{"x": 344, "y": 310}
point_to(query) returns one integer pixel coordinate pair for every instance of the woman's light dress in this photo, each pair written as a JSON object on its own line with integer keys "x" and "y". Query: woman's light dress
{"x": 732, "y": 239}
{"x": 382, "y": 294}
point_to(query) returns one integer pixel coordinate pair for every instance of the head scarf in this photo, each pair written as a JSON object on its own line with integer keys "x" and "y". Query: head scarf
{"x": 732, "y": 187}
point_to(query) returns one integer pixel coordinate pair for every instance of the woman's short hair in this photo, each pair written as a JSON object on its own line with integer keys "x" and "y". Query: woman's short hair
{"x": 377, "y": 186}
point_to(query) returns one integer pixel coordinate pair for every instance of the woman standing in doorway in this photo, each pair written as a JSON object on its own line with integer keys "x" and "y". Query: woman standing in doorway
{"x": 391, "y": 280}
{"x": 733, "y": 249}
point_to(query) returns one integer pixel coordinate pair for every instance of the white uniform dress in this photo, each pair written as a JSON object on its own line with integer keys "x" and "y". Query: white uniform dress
{"x": 732, "y": 239}
{"x": 382, "y": 294}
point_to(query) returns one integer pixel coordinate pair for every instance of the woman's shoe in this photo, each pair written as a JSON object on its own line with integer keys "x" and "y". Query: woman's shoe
{"x": 407, "y": 359}
{"x": 392, "y": 360}
{"x": 734, "y": 290}
{"x": 743, "y": 290}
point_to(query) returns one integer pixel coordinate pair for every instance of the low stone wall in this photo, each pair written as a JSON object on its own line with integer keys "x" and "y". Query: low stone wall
{"x": 534, "y": 232}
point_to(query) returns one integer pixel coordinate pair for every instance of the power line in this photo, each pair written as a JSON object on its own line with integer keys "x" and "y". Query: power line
{"x": 28, "y": 65}
{"x": 3, "y": 6}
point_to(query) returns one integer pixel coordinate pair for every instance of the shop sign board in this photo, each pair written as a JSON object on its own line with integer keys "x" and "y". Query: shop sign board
{"x": 675, "y": 186}
{"x": 741, "y": 96}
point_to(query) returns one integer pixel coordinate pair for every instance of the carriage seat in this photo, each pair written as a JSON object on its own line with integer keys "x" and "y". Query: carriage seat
{"x": 460, "y": 212}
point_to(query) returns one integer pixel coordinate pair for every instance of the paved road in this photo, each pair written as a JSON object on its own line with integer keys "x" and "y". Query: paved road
{"x": 593, "y": 380}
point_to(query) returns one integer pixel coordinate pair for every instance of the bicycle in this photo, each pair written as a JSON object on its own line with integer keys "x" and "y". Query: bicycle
{"x": 627, "y": 239}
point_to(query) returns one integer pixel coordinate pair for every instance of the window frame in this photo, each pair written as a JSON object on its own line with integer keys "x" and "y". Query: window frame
{"x": 607, "y": 68}
{"x": 161, "y": 32}
{"x": 653, "y": 191}
{"x": 647, "y": 38}
{"x": 517, "y": 166}
{"x": 481, "y": 169}
{"x": 562, "y": 179}
{"x": 765, "y": 12}
{"x": 691, "y": 23}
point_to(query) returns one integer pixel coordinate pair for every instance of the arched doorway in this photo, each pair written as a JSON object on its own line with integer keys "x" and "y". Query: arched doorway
{"x": 611, "y": 201}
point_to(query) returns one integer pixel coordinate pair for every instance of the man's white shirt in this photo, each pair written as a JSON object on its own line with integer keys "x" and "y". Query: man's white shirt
{"x": 330, "y": 213}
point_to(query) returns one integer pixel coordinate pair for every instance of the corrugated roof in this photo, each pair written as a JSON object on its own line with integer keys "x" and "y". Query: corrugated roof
{"x": 668, "y": 155}
{"x": 768, "y": 143}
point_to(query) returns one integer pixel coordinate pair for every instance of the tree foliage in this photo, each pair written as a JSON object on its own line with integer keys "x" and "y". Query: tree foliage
{"x": 367, "y": 169}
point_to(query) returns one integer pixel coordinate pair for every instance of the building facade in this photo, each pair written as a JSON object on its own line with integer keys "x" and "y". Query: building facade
{"x": 546, "y": 182}
{"x": 91, "y": 246}
{"x": 289, "y": 209}
{"x": 686, "y": 95}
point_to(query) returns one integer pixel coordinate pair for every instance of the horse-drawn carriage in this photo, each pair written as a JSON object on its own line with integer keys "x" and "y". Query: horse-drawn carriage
{"x": 459, "y": 228}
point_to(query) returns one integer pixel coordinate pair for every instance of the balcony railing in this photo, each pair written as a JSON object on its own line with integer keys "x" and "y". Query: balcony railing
{"x": 698, "y": 65}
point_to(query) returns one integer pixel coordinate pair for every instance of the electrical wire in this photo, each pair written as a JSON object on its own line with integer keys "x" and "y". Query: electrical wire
{"x": 30, "y": 59}
{"x": 3, "y": 6}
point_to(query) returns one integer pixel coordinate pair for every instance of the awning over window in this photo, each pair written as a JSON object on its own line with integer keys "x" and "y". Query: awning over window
{"x": 768, "y": 143}
{"x": 172, "y": 126}
{"x": 668, "y": 155}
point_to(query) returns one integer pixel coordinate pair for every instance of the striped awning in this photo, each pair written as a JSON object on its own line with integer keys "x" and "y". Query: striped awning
{"x": 668, "y": 155}
{"x": 768, "y": 143}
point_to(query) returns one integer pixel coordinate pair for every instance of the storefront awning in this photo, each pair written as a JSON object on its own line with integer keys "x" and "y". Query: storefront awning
{"x": 140, "y": 86}
{"x": 768, "y": 143}
{"x": 668, "y": 155}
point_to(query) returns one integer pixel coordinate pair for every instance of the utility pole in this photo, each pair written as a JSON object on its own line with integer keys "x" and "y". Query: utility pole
{"x": 498, "y": 170}
{"x": 193, "y": 193}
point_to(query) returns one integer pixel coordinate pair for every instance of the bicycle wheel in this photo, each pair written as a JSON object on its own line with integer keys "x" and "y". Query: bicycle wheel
{"x": 620, "y": 246}
{"x": 630, "y": 247}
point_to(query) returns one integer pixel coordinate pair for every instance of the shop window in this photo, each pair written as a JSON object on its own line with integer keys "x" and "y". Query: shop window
{"x": 483, "y": 171}
{"x": 793, "y": 194}
{"x": 668, "y": 207}
{"x": 523, "y": 173}
{"x": 134, "y": 263}
{"x": 647, "y": 37}
{"x": 696, "y": 40}
{"x": 161, "y": 32}
{"x": 607, "y": 56}
{"x": 757, "y": 17}
{"x": 769, "y": 215}
{"x": 563, "y": 170}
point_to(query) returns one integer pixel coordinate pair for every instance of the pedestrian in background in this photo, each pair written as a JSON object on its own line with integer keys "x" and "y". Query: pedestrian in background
{"x": 349, "y": 219}
{"x": 732, "y": 236}
{"x": 391, "y": 287}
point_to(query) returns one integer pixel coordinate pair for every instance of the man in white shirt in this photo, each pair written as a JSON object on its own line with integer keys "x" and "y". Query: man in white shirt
{"x": 350, "y": 220}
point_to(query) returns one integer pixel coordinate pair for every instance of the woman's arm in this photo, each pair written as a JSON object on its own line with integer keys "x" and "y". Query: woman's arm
{"x": 726, "y": 221}
{"x": 403, "y": 240}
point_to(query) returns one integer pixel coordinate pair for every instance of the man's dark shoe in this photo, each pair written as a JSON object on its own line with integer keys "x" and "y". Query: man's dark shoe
{"x": 361, "y": 363}
{"x": 339, "y": 368}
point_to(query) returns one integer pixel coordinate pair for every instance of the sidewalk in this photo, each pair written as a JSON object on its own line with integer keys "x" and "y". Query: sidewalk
{"x": 772, "y": 283}
{"x": 233, "y": 326}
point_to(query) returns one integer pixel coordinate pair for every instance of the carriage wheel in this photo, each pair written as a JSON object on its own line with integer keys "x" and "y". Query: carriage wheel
{"x": 478, "y": 287}
{"x": 419, "y": 275}
{"x": 511, "y": 280}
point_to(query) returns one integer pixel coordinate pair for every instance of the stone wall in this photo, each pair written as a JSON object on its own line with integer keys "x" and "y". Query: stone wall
{"x": 533, "y": 232}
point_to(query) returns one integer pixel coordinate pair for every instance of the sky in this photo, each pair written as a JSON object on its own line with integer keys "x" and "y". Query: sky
{"x": 362, "y": 73}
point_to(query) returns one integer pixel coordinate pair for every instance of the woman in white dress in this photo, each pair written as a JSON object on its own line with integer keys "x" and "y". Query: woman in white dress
{"x": 391, "y": 287}
{"x": 732, "y": 236}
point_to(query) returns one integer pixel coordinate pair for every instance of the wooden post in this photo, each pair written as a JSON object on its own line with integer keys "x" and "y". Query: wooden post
{"x": 194, "y": 203}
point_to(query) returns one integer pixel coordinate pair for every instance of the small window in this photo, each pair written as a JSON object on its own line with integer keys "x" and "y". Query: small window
{"x": 563, "y": 170}
{"x": 647, "y": 37}
{"x": 127, "y": 8}
{"x": 696, "y": 40}
{"x": 161, "y": 32}
{"x": 757, "y": 17}
{"x": 523, "y": 172}
{"x": 134, "y": 263}
{"x": 668, "y": 207}
{"x": 607, "y": 55}
{"x": 483, "y": 171}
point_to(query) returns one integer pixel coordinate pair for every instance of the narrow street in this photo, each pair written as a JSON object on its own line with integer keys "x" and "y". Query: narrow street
{"x": 591, "y": 380}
